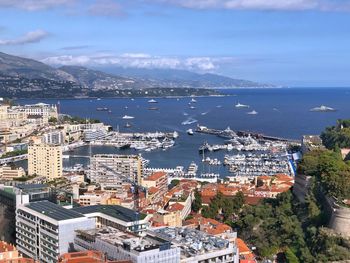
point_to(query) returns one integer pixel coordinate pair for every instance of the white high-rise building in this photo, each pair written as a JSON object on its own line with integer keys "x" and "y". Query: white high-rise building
{"x": 45, "y": 230}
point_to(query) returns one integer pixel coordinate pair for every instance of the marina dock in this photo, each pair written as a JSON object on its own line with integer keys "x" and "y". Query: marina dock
{"x": 230, "y": 134}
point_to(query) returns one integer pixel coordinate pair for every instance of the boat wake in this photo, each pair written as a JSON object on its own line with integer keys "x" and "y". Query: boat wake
{"x": 189, "y": 121}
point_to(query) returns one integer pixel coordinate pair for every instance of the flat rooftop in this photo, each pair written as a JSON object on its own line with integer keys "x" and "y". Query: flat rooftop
{"x": 116, "y": 211}
{"x": 119, "y": 238}
{"x": 192, "y": 242}
{"x": 54, "y": 211}
{"x": 31, "y": 186}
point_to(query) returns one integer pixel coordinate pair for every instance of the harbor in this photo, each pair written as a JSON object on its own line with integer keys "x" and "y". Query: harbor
{"x": 138, "y": 141}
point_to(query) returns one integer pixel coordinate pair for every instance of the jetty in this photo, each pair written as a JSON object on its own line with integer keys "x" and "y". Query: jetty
{"x": 230, "y": 134}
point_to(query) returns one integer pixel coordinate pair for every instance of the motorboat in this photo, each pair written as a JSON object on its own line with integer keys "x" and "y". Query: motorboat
{"x": 127, "y": 117}
{"x": 190, "y": 132}
{"x": 323, "y": 108}
{"x": 239, "y": 105}
{"x": 253, "y": 112}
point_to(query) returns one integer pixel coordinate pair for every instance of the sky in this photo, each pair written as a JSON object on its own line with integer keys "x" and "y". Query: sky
{"x": 302, "y": 43}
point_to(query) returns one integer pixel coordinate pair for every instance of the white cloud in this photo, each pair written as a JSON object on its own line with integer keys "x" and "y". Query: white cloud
{"x": 292, "y": 5}
{"x": 140, "y": 60}
{"x": 32, "y": 5}
{"x": 106, "y": 8}
{"x": 30, "y": 37}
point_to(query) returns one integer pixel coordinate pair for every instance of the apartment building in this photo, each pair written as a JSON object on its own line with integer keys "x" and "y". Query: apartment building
{"x": 53, "y": 137}
{"x": 199, "y": 247}
{"x": 116, "y": 216}
{"x": 45, "y": 160}
{"x": 44, "y": 230}
{"x": 158, "y": 180}
{"x": 119, "y": 245}
{"x": 9, "y": 173}
{"x": 127, "y": 166}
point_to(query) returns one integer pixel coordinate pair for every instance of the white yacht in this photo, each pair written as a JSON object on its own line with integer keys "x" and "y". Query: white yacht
{"x": 323, "y": 108}
{"x": 239, "y": 105}
{"x": 253, "y": 112}
{"x": 193, "y": 100}
{"x": 127, "y": 117}
{"x": 152, "y": 101}
{"x": 190, "y": 132}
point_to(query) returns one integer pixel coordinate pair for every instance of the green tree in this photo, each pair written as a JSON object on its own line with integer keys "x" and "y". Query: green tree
{"x": 197, "y": 203}
{"x": 290, "y": 256}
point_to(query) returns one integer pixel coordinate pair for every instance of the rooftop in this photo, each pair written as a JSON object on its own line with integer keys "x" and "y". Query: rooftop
{"x": 54, "y": 211}
{"x": 192, "y": 242}
{"x": 31, "y": 186}
{"x": 155, "y": 176}
{"x": 120, "y": 238}
{"x": 116, "y": 211}
{"x": 5, "y": 247}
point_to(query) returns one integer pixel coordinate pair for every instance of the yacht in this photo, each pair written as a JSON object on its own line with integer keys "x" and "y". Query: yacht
{"x": 323, "y": 108}
{"x": 127, "y": 117}
{"x": 190, "y": 132}
{"x": 102, "y": 109}
{"x": 127, "y": 125}
{"x": 152, "y": 101}
{"x": 239, "y": 105}
{"x": 192, "y": 107}
{"x": 193, "y": 100}
{"x": 253, "y": 112}
{"x": 153, "y": 108}
{"x": 175, "y": 134}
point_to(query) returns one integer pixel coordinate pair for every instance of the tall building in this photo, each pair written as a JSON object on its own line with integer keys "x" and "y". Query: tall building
{"x": 45, "y": 230}
{"x": 11, "y": 197}
{"x": 129, "y": 166}
{"x": 53, "y": 137}
{"x": 45, "y": 160}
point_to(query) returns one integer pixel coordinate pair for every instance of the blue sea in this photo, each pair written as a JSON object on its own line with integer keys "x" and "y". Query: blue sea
{"x": 283, "y": 112}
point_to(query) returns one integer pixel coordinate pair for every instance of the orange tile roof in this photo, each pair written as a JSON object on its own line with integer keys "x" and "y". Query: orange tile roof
{"x": 252, "y": 200}
{"x": 153, "y": 190}
{"x": 284, "y": 177}
{"x": 243, "y": 248}
{"x": 265, "y": 177}
{"x": 4, "y": 247}
{"x": 209, "y": 225}
{"x": 155, "y": 176}
{"x": 175, "y": 207}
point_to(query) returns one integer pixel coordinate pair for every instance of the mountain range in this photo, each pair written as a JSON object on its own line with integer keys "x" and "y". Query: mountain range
{"x": 23, "y": 77}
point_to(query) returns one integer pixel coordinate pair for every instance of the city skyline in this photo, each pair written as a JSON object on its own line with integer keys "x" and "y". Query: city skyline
{"x": 294, "y": 43}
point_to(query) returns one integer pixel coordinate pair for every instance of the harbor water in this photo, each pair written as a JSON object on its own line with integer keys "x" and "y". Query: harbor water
{"x": 280, "y": 112}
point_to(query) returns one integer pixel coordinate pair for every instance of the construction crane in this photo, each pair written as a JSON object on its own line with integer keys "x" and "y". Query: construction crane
{"x": 137, "y": 188}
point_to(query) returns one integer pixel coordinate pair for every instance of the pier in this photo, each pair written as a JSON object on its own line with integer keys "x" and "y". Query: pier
{"x": 229, "y": 134}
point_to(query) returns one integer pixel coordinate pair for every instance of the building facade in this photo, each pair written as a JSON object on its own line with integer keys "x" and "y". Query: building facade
{"x": 128, "y": 166}
{"x": 45, "y": 160}
{"x": 44, "y": 230}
